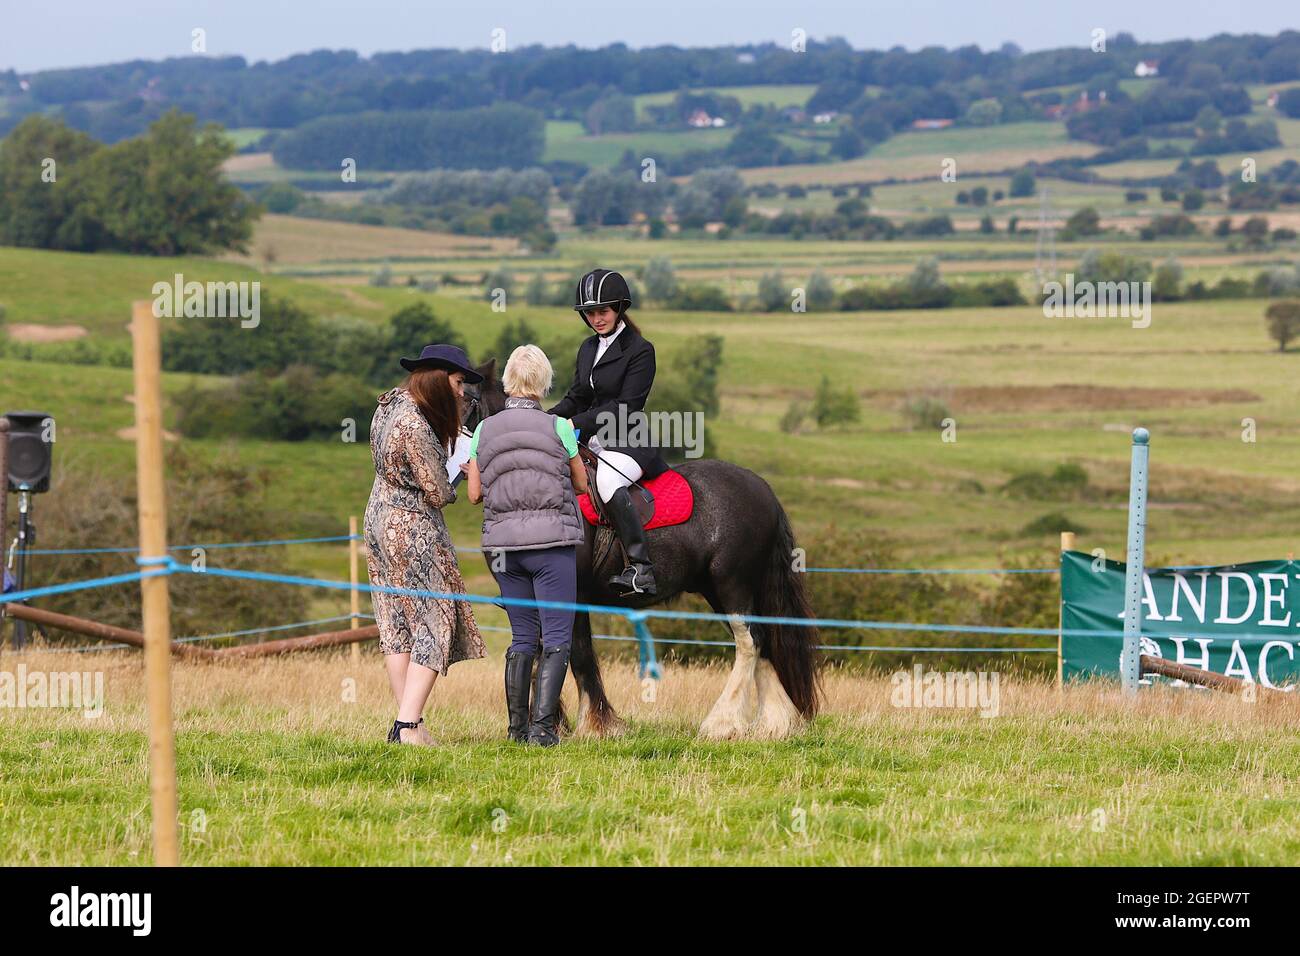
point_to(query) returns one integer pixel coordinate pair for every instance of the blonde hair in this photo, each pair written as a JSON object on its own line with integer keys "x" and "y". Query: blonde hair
{"x": 528, "y": 373}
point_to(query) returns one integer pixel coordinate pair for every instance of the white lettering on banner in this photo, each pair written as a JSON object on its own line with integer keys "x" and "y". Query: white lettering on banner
{"x": 1198, "y": 607}
{"x": 1203, "y": 662}
{"x": 1223, "y": 598}
{"x": 1238, "y": 666}
{"x": 1271, "y": 598}
{"x": 1263, "y": 661}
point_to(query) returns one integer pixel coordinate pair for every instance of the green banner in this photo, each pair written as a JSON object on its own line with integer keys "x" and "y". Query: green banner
{"x": 1242, "y": 620}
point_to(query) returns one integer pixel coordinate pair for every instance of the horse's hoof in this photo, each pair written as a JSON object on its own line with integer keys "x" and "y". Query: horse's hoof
{"x": 777, "y": 716}
{"x": 599, "y": 723}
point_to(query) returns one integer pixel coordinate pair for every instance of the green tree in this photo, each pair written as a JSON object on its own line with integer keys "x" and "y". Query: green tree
{"x": 1283, "y": 322}
{"x": 281, "y": 198}
{"x": 512, "y": 335}
{"x": 165, "y": 194}
{"x": 986, "y": 112}
{"x": 611, "y": 114}
{"x": 537, "y": 291}
{"x": 413, "y": 327}
{"x": 773, "y": 296}
{"x": 820, "y": 292}
{"x": 1111, "y": 266}
{"x": 659, "y": 279}
{"x": 1084, "y": 222}
{"x": 1023, "y": 183}
{"x": 832, "y": 406}
{"x": 699, "y": 361}
{"x": 499, "y": 278}
{"x": 1167, "y": 286}
{"x": 41, "y": 213}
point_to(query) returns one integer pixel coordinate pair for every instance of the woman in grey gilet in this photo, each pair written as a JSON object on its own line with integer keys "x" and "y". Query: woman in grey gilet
{"x": 524, "y": 467}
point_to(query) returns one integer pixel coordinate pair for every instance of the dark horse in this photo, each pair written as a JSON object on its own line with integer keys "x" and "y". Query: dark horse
{"x": 737, "y": 551}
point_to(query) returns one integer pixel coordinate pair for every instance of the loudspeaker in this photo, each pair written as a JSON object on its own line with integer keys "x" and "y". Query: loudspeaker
{"x": 31, "y": 450}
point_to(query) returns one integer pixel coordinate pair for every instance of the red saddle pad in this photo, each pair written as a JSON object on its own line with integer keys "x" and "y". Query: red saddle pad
{"x": 674, "y": 501}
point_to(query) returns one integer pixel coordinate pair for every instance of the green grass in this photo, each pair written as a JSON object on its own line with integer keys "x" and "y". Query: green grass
{"x": 96, "y": 290}
{"x": 245, "y": 135}
{"x": 295, "y": 777}
{"x": 771, "y": 94}
{"x": 566, "y": 140}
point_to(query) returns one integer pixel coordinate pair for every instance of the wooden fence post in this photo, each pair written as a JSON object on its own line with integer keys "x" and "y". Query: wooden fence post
{"x": 147, "y": 359}
{"x": 356, "y": 595}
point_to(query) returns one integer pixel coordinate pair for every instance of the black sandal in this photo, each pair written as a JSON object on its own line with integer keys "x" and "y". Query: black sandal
{"x": 395, "y": 735}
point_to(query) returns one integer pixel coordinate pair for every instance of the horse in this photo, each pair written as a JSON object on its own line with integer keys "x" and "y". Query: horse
{"x": 737, "y": 551}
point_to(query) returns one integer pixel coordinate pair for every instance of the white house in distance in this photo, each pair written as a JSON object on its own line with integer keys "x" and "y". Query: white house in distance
{"x": 1147, "y": 68}
{"x": 702, "y": 120}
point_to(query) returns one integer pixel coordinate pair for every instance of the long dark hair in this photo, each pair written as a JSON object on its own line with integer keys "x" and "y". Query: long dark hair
{"x": 431, "y": 389}
{"x": 627, "y": 320}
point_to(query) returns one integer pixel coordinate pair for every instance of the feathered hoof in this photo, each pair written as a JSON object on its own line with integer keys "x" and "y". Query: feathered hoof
{"x": 598, "y": 722}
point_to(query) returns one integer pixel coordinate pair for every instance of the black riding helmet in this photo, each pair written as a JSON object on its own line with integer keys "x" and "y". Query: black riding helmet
{"x": 602, "y": 287}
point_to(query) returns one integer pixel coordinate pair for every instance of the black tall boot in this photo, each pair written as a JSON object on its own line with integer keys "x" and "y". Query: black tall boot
{"x": 639, "y": 576}
{"x": 519, "y": 679}
{"x": 546, "y": 696}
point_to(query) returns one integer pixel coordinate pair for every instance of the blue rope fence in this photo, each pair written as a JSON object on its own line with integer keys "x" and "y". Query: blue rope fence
{"x": 328, "y": 539}
{"x": 166, "y": 565}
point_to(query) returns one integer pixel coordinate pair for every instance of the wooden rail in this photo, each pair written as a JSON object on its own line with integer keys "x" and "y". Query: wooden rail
{"x": 1194, "y": 675}
{"x": 107, "y": 632}
{"x": 104, "y": 632}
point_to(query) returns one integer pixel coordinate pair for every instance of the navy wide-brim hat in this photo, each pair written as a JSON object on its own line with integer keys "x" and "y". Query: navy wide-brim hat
{"x": 450, "y": 357}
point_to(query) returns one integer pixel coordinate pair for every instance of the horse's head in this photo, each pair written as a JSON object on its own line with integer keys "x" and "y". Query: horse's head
{"x": 486, "y": 398}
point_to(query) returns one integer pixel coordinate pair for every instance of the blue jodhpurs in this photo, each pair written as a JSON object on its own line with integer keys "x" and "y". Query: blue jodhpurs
{"x": 545, "y": 574}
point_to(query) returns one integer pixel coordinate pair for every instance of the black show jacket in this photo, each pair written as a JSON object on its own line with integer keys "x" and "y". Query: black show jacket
{"x": 623, "y": 377}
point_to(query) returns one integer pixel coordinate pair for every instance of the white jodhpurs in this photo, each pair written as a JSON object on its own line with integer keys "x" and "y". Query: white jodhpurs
{"x": 608, "y": 479}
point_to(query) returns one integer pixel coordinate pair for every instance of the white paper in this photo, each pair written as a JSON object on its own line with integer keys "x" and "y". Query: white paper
{"x": 459, "y": 456}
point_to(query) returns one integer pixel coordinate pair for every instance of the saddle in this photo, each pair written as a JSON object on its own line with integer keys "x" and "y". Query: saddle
{"x": 662, "y": 501}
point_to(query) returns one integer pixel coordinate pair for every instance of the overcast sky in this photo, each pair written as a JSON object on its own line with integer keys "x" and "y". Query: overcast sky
{"x": 36, "y": 36}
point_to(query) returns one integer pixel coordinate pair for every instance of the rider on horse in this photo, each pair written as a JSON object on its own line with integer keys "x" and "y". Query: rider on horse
{"x": 615, "y": 370}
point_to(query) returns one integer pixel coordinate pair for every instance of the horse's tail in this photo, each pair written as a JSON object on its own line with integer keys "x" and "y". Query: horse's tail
{"x": 790, "y": 647}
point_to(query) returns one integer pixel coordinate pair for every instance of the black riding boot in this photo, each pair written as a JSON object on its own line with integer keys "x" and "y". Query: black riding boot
{"x": 519, "y": 679}
{"x": 639, "y": 576}
{"x": 546, "y": 696}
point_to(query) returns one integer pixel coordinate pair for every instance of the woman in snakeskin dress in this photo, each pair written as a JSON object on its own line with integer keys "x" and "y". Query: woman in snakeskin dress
{"x": 407, "y": 542}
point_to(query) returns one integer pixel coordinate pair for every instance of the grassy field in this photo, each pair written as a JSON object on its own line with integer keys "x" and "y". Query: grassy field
{"x": 566, "y": 140}
{"x": 914, "y": 154}
{"x": 779, "y": 95}
{"x": 279, "y": 764}
{"x": 1027, "y": 393}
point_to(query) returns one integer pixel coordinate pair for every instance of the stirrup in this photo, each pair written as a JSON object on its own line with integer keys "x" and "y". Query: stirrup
{"x": 632, "y": 586}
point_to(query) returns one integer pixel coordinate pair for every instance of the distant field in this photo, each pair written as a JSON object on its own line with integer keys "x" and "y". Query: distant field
{"x": 296, "y": 241}
{"x": 245, "y": 135}
{"x": 778, "y": 95}
{"x": 566, "y": 140}
{"x": 913, "y": 154}
{"x": 1230, "y": 164}
{"x": 1234, "y": 501}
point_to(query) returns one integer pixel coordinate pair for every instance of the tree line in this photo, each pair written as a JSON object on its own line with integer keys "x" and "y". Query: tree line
{"x": 162, "y": 193}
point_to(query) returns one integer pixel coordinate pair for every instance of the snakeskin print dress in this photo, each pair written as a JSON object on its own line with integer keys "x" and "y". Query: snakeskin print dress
{"x": 407, "y": 542}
